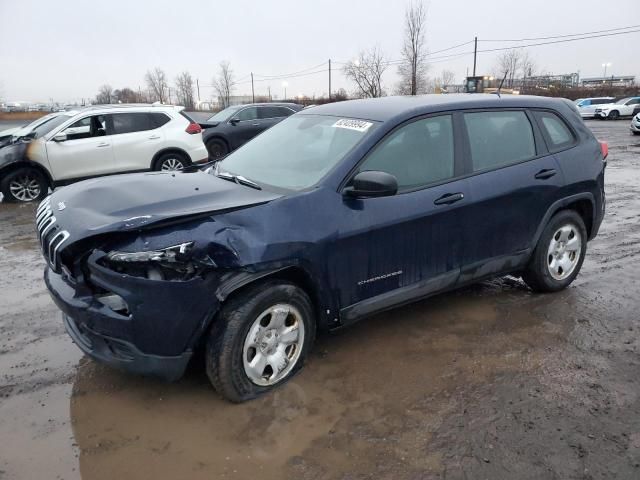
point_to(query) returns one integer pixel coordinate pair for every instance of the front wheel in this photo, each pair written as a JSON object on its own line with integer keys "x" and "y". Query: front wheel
{"x": 559, "y": 254}
{"x": 259, "y": 339}
{"x": 24, "y": 185}
{"x": 614, "y": 115}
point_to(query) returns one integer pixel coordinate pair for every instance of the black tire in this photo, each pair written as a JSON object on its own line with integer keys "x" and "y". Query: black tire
{"x": 636, "y": 133}
{"x": 171, "y": 161}
{"x": 613, "y": 115}
{"x": 225, "y": 345}
{"x": 38, "y": 186}
{"x": 216, "y": 148}
{"x": 538, "y": 273}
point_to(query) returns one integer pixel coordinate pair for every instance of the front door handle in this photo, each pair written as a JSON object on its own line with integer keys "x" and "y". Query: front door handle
{"x": 103, "y": 145}
{"x": 546, "y": 173}
{"x": 256, "y": 124}
{"x": 154, "y": 137}
{"x": 449, "y": 198}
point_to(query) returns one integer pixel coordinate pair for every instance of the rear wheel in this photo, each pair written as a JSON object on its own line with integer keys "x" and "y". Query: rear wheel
{"x": 259, "y": 339}
{"x": 558, "y": 257}
{"x": 216, "y": 148}
{"x": 24, "y": 185}
{"x": 614, "y": 115}
{"x": 171, "y": 162}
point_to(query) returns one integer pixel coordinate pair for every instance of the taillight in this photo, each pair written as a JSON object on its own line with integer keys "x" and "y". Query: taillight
{"x": 604, "y": 146}
{"x": 193, "y": 128}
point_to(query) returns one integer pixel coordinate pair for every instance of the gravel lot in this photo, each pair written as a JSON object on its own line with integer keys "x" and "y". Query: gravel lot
{"x": 488, "y": 382}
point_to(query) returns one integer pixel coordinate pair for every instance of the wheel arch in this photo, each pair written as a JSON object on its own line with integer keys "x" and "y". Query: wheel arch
{"x": 582, "y": 203}
{"x": 12, "y": 167}
{"x": 299, "y": 276}
{"x": 164, "y": 151}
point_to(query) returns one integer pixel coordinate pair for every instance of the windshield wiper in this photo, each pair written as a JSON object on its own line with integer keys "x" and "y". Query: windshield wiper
{"x": 239, "y": 179}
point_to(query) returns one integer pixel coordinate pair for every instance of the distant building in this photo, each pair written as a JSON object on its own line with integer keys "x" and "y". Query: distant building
{"x": 613, "y": 80}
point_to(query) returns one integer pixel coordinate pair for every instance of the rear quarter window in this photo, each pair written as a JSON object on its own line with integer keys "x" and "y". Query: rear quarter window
{"x": 556, "y": 132}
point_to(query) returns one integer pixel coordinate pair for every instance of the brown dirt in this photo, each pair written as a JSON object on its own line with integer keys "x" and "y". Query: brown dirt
{"x": 488, "y": 382}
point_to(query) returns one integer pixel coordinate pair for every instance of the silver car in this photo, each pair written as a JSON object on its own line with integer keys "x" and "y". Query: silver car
{"x": 635, "y": 125}
{"x": 587, "y": 106}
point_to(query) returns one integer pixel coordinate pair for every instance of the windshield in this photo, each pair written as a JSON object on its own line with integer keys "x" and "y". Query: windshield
{"x": 297, "y": 152}
{"x": 49, "y": 125}
{"x": 622, "y": 101}
{"x": 222, "y": 115}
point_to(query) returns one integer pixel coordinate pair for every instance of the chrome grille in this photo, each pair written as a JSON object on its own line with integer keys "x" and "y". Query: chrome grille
{"x": 50, "y": 235}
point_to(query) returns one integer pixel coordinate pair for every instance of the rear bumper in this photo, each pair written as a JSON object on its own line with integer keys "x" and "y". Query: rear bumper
{"x": 635, "y": 127}
{"x": 199, "y": 154}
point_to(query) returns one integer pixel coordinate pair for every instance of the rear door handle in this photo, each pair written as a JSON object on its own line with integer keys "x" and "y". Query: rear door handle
{"x": 546, "y": 173}
{"x": 103, "y": 145}
{"x": 256, "y": 124}
{"x": 154, "y": 137}
{"x": 449, "y": 198}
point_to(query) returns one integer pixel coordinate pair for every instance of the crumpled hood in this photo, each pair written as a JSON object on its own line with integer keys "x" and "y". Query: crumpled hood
{"x": 134, "y": 201}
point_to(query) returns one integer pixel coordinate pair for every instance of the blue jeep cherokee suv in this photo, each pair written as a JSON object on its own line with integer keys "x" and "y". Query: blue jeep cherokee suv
{"x": 335, "y": 213}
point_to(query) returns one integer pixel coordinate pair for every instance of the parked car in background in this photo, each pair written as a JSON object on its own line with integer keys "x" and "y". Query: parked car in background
{"x": 635, "y": 124}
{"x": 99, "y": 140}
{"x": 625, "y": 107}
{"x": 234, "y": 126}
{"x": 334, "y": 214}
{"x": 587, "y": 106}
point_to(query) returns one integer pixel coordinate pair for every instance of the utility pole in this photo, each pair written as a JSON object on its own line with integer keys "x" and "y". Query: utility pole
{"x": 475, "y": 54}
{"x": 198, "y": 86}
{"x": 269, "y": 89}
{"x": 253, "y": 95}
{"x": 329, "y": 79}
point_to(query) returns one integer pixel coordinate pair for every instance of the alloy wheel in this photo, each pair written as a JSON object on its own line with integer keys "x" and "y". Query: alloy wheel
{"x": 25, "y": 187}
{"x": 273, "y": 344}
{"x": 172, "y": 164}
{"x": 564, "y": 252}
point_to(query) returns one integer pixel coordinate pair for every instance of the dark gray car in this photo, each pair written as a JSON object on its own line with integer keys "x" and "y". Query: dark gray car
{"x": 234, "y": 126}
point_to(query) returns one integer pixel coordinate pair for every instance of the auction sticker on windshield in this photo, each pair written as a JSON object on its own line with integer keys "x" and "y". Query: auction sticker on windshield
{"x": 357, "y": 125}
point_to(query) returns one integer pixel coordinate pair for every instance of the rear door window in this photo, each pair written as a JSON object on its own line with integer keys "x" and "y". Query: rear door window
{"x": 274, "y": 112}
{"x": 557, "y": 134}
{"x": 131, "y": 122}
{"x": 499, "y": 138}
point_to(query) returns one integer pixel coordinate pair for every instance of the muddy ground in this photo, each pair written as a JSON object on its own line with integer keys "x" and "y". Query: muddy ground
{"x": 488, "y": 382}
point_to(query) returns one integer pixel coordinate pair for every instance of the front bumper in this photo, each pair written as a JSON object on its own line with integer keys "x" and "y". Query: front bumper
{"x": 635, "y": 126}
{"x": 602, "y": 114}
{"x": 155, "y": 336}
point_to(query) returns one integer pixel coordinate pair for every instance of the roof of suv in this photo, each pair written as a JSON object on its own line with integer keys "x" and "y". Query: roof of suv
{"x": 385, "y": 108}
{"x": 144, "y": 106}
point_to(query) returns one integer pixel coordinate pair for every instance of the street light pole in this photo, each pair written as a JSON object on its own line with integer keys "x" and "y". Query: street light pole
{"x": 605, "y": 65}
{"x": 285, "y": 85}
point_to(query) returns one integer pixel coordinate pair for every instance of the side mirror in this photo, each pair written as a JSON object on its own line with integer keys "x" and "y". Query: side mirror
{"x": 60, "y": 137}
{"x": 234, "y": 121}
{"x": 372, "y": 183}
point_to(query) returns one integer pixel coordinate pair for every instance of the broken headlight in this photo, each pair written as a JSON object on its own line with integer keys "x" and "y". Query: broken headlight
{"x": 171, "y": 263}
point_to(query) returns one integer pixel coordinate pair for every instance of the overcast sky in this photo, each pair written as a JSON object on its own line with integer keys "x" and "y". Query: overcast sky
{"x": 66, "y": 49}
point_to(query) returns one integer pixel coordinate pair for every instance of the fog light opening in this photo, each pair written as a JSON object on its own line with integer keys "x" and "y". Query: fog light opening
{"x": 114, "y": 302}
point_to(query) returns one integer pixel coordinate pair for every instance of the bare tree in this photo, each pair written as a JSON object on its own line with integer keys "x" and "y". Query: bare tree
{"x": 105, "y": 95}
{"x": 413, "y": 69}
{"x": 125, "y": 95}
{"x": 157, "y": 84}
{"x": 448, "y": 78}
{"x": 224, "y": 83}
{"x": 508, "y": 65}
{"x": 366, "y": 72}
{"x": 184, "y": 90}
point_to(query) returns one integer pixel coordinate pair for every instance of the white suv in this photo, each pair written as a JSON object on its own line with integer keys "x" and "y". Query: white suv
{"x": 100, "y": 140}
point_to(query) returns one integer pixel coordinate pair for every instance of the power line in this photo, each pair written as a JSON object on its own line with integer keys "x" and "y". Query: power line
{"x": 292, "y": 73}
{"x": 560, "y": 36}
{"x": 557, "y": 41}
